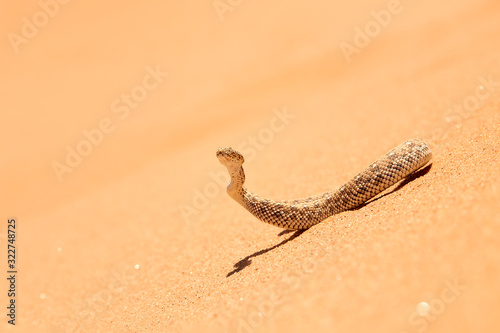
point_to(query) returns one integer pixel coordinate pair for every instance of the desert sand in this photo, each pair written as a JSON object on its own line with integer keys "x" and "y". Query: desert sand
{"x": 111, "y": 117}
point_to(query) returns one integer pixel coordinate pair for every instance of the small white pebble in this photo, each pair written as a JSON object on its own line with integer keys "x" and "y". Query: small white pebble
{"x": 136, "y": 266}
{"x": 423, "y": 309}
{"x": 43, "y": 296}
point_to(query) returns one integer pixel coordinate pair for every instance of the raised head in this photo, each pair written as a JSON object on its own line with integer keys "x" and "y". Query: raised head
{"x": 229, "y": 157}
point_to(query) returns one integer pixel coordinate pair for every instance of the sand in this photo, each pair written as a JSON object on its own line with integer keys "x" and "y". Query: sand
{"x": 111, "y": 118}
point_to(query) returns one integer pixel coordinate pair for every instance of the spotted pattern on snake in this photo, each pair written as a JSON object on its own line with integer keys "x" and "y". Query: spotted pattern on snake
{"x": 397, "y": 164}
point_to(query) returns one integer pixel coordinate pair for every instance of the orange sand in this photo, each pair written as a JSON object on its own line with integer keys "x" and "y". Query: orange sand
{"x": 137, "y": 234}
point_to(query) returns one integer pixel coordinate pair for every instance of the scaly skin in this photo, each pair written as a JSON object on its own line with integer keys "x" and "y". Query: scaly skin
{"x": 304, "y": 213}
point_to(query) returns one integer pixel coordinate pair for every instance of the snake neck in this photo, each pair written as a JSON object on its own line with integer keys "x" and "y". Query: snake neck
{"x": 235, "y": 187}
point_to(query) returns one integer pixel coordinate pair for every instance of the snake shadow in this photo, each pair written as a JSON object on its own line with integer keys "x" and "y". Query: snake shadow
{"x": 247, "y": 261}
{"x": 415, "y": 175}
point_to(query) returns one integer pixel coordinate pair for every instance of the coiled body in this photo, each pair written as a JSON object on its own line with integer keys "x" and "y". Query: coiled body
{"x": 304, "y": 213}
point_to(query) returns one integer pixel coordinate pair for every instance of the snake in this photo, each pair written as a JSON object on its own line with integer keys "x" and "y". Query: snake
{"x": 300, "y": 214}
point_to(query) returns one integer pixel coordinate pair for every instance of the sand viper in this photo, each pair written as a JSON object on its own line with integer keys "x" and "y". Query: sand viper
{"x": 304, "y": 213}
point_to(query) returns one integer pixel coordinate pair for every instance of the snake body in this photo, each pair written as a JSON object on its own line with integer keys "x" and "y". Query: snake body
{"x": 304, "y": 213}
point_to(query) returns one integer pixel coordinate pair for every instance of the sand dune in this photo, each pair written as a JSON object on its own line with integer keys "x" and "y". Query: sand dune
{"x": 111, "y": 118}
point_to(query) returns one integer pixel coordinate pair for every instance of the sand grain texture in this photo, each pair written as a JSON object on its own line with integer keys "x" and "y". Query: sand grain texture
{"x": 140, "y": 236}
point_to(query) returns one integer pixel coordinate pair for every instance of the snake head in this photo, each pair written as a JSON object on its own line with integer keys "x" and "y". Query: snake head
{"x": 230, "y": 157}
